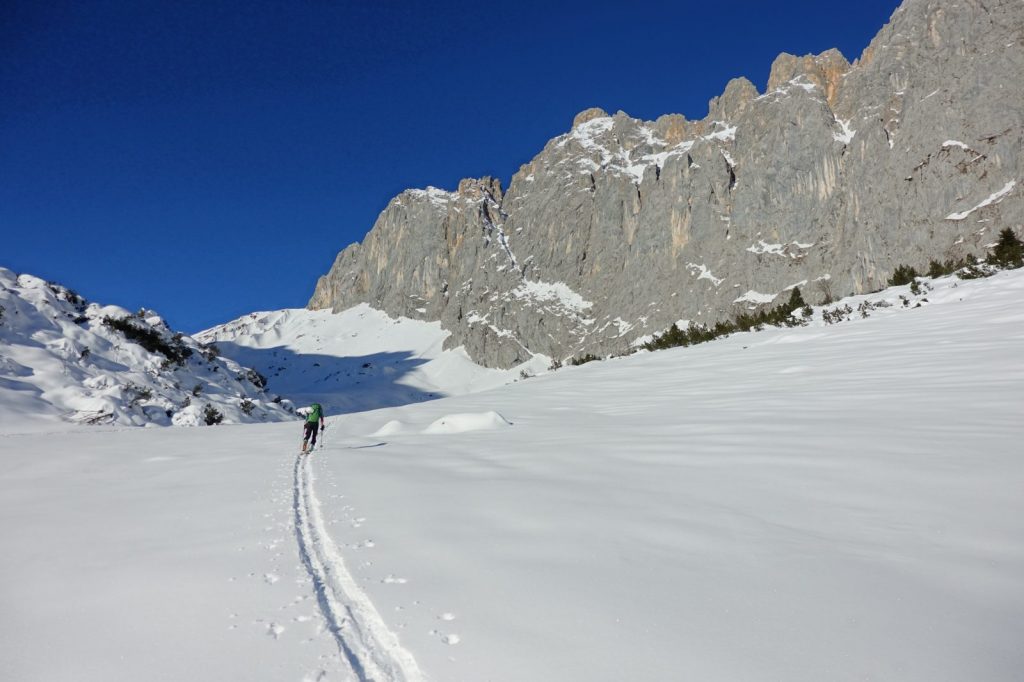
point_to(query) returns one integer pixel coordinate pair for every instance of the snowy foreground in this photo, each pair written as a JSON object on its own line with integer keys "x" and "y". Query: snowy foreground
{"x": 835, "y": 502}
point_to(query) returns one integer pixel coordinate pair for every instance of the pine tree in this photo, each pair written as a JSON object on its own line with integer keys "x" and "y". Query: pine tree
{"x": 212, "y": 416}
{"x": 1008, "y": 251}
{"x": 904, "y": 274}
{"x": 796, "y": 300}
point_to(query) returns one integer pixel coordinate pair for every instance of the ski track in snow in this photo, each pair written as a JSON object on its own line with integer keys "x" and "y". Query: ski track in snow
{"x": 372, "y": 650}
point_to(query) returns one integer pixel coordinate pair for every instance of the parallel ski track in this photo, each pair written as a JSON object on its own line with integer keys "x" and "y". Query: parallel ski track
{"x": 371, "y": 649}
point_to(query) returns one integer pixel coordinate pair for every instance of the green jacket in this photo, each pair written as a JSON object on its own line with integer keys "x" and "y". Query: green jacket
{"x": 315, "y": 413}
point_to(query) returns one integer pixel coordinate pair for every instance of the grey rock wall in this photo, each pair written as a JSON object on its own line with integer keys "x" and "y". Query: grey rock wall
{"x": 620, "y": 227}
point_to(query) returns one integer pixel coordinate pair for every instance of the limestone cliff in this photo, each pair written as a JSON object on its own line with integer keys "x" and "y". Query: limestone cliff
{"x": 619, "y": 227}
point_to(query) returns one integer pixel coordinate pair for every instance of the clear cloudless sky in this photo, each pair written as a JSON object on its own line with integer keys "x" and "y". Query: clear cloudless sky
{"x": 209, "y": 158}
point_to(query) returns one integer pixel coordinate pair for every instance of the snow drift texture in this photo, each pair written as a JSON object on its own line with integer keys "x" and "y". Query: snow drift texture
{"x": 830, "y": 179}
{"x": 830, "y": 503}
{"x": 61, "y": 358}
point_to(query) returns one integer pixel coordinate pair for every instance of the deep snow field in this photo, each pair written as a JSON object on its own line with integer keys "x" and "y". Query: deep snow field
{"x": 841, "y": 502}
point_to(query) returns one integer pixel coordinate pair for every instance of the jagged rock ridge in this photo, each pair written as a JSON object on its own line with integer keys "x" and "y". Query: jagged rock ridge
{"x": 620, "y": 227}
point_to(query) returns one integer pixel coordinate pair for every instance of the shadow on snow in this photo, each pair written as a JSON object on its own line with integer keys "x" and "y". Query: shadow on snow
{"x": 340, "y": 384}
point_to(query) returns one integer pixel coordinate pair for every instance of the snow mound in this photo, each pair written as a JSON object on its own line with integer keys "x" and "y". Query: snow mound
{"x": 392, "y": 428}
{"x": 467, "y": 421}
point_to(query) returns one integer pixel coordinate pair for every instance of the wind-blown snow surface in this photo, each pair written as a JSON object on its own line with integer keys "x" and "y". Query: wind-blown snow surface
{"x": 358, "y": 359}
{"x": 822, "y": 503}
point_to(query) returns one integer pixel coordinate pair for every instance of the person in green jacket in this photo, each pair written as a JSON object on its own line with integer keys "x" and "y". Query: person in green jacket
{"x": 314, "y": 421}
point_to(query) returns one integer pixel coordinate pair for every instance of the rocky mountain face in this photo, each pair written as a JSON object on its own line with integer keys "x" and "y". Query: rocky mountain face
{"x": 620, "y": 227}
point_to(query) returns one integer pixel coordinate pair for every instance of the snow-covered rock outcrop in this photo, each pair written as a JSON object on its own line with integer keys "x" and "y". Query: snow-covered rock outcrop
{"x": 62, "y": 357}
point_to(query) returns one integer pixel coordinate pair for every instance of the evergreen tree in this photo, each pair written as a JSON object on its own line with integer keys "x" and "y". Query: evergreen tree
{"x": 1008, "y": 251}
{"x": 212, "y": 416}
{"x": 904, "y": 274}
{"x": 796, "y": 300}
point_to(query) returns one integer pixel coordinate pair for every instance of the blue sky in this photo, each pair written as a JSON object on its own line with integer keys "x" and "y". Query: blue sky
{"x": 207, "y": 159}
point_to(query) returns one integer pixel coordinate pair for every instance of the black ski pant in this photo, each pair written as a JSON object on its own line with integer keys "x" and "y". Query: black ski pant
{"x": 310, "y": 430}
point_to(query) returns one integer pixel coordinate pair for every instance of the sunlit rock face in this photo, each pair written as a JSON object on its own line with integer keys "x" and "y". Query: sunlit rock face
{"x": 620, "y": 227}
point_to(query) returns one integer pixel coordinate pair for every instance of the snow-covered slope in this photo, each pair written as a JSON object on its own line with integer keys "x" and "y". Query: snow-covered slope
{"x": 358, "y": 359}
{"x": 833, "y": 502}
{"x": 60, "y": 359}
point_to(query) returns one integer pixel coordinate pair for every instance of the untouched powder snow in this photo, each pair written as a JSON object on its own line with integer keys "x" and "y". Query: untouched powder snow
{"x": 832, "y": 502}
{"x": 450, "y": 423}
{"x": 358, "y": 359}
{"x": 471, "y": 421}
